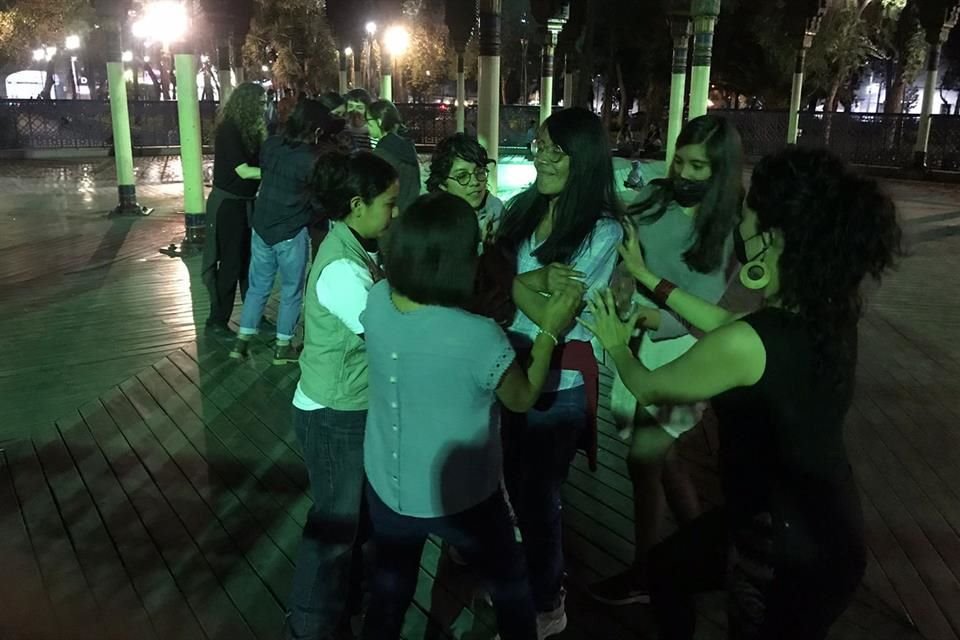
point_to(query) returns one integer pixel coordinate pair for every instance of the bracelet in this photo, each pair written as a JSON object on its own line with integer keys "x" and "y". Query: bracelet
{"x": 662, "y": 291}
{"x": 549, "y": 335}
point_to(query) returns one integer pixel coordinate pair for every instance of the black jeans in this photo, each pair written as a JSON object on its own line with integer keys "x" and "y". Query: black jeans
{"x": 230, "y": 262}
{"x": 765, "y": 600}
{"x": 483, "y": 534}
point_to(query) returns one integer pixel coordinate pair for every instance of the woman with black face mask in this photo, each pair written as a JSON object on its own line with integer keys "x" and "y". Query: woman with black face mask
{"x": 788, "y": 544}
{"x": 685, "y": 225}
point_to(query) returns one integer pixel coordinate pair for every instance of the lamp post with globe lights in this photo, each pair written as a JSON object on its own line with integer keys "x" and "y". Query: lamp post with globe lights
{"x": 371, "y": 30}
{"x": 488, "y": 82}
{"x": 396, "y": 40}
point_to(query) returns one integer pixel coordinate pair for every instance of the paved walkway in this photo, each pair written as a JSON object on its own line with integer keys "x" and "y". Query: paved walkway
{"x": 92, "y": 312}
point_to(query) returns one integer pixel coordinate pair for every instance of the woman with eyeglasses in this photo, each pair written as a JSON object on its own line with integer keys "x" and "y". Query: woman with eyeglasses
{"x": 564, "y": 231}
{"x": 385, "y": 125}
{"x": 685, "y": 224}
{"x": 788, "y": 545}
{"x": 460, "y": 166}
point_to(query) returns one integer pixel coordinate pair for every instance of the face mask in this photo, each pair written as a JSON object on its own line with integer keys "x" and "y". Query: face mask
{"x": 689, "y": 193}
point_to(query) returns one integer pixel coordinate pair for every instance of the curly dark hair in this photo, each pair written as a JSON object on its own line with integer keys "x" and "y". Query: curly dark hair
{"x": 244, "y": 109}
{"x": 459, "y": 145}
{"x": 838, "y": 228}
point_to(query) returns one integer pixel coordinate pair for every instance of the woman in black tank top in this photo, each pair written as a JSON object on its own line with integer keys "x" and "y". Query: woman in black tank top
{"x": 788, "y": 546}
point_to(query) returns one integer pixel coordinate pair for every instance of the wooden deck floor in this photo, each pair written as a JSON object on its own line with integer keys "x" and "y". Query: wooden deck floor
{"x": 151, "y": 487}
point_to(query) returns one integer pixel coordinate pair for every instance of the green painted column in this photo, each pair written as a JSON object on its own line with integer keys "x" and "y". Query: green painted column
{"x": 680, "y": 29}
{"x": 120, "y": 122}
{"x": 705, "y": 14}
{"x": 804, "y": 22}
{"x": 461, "y": 94}
{"x": 386, "y": 74}
{"x": 938, "y": 18}
{"x": 796, "y": 94}
{"x": 488, "y": 107}
{"x": 191, "y": 147}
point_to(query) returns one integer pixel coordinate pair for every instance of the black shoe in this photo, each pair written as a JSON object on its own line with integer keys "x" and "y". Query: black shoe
{"x": 220, "y": 329}
{"x": 628, "y": 587}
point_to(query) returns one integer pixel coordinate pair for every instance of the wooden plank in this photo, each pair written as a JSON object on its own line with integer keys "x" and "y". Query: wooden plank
{"x": 66, "y": 584}
{"x": 138, "y": 463}
{"x": 219, "y": 530}
{"x": 120, "y": 608}
{"x": 27, "y": 611}
{"x": 153, "y": 580}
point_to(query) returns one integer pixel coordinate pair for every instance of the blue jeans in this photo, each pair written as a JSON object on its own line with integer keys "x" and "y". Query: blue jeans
{"x": 289, "y": 258}
{"x": 538, "y": 449}
{"x": 483, "y": 534}
{"x": 329, "y": 563}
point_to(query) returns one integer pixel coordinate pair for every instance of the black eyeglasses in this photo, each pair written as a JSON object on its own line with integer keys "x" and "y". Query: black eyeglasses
{"x": 463, "y": 178}
{"x": 550, "y": 153}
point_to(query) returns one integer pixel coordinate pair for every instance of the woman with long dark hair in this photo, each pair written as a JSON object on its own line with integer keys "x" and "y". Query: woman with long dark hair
{"x": 685, "y": 226}
{"x": 282, "y": 212}
{"x": 789, "y": 544}
{"x": 241, "y": 129}
{"x": 564, "y": 231}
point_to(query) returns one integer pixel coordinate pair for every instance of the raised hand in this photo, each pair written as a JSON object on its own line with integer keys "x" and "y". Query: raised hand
{"x": 631, "y": 253}
{"x": 610, "y": 330}
{"x": 561, "y": 309}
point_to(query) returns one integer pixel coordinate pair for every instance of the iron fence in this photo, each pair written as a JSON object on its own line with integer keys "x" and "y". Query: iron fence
{"x": 871, "y": 139}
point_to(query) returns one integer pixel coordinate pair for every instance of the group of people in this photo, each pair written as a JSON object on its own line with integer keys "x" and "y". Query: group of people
{"x": 449, "y": 376}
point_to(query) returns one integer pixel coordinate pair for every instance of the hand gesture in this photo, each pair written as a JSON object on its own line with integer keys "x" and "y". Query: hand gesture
{"x": 631, "y": 252}
{"x": 610, "y": 330}
{"x": 561, "y": 309}
{"x": 560, "y": 276}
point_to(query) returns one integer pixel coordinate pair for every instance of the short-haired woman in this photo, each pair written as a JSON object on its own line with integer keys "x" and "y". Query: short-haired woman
{"x": 789, "y": 544}
{"x": 385, "y": 124}
{"x": 359, "y": 195}
{"x": 564, "y": 231}
{"x": 460, "y": 166}
{"x": 432, "y": 452}
{"x": 241, "y": 129}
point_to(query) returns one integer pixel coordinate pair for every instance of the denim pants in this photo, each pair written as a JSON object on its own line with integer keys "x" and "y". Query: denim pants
{"x": 328, "y": 562}
{"x": 483, "y": 534}
{"x": 538, "y": 449}
{"x": 289, "y": 258}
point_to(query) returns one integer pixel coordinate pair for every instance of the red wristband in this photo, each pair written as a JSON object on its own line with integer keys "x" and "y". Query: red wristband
{"x": 662, "y": 291}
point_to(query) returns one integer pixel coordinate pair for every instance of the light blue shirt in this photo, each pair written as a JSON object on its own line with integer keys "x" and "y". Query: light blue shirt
{"x": 432, "y": 445}
{"x": 596, "y": 258}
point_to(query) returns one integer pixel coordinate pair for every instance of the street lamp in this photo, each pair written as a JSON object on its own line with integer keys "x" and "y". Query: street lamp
{"x": 397, "y": 40}
{"x": 126, "y": 56}
{"x": 39, "y": 55}
{"x": 72, "y": 42}
{"x": 371, "y": 28}
{"x": 167, "y": 17}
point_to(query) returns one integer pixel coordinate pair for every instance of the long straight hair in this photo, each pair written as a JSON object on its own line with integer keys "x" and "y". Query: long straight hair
{"x": 719, "y": 211}
{"x": 587, "y": 197}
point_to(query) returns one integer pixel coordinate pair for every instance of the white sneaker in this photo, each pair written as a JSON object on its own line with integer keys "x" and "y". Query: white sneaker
{"x": 550, "y": 623}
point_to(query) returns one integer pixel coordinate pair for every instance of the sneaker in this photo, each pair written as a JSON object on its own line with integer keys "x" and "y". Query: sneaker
{"x": 550, "y": 623}
{"x": 241, "y": 349}
{"x": 285, "y": 354}
{"x": 628, "y": 587}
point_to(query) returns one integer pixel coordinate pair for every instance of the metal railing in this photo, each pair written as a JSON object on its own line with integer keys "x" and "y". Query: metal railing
{"x": 871, "y": 139}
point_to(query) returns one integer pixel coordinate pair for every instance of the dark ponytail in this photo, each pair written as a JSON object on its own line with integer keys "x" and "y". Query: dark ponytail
{"x": 339, "y": 177}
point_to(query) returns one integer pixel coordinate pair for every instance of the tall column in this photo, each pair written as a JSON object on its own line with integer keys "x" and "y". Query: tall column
{"x": 554, "y": 27}
{"x": 568, "y": 81}
{"x": 386, "y": 74}
{"x": 461, "y": 94}
{"x": 680, "y": 29}
{"x": 224, "y": 72}
{"x": 808, "y": 21}
{"x": 488, "y": 83}
{"x": 938, "y": 18}
{"x": 191, "y": 147}
{"x": 705, "y": 14}
{"x": 342, "y": 55}
{"x": 120, "y": 120}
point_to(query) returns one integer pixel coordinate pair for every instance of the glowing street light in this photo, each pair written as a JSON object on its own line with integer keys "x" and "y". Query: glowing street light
{"x": 51, "y": 52}
{"x": 126, "y": 56}
{"x": 348, "y": 52}
{"x": 264, "y": 68}
{"x": 39, "y": 55}
{"x": 168, "y": 18}
{"x": 72, "y": 42}
{"x": 397, "y": 40}
{"x": 371, "y": 28}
